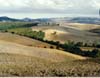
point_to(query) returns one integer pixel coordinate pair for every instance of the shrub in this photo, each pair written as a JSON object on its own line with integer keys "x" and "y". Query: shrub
{"x": 57, "y": 47}
{"x": 13, "y": 32}
{"x": 45, "y": 47}
{"x": 51, "y": 47}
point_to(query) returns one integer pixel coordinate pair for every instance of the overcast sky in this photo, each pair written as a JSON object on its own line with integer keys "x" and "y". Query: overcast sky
{"x": 48, "y": 8}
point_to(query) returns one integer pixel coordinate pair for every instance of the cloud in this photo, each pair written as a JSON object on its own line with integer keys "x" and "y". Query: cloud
{"x": 50, "y": 6}
{"x": 96, "y": 3}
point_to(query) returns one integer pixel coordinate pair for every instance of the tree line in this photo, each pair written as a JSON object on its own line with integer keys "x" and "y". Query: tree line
{"x": 75, "y": 48}
{"x": 11, "y": 25}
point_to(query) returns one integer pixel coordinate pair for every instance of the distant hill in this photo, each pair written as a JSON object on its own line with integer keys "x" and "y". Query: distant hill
{"x": 27, "y": 19}
{"x": 65, "y": 33}
{"x": 6, "y": 19}
{"x": 87, "y": 20}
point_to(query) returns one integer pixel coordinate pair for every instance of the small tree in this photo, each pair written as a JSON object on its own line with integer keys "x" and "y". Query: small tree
{"x": 94, "y": 45}
{"x": 5, "y": 30}
{"x": 57, "y": 47}
{"x": 51, "y": 47}
{"x": 45, "y": 47}
{"x": 13, "y": 32}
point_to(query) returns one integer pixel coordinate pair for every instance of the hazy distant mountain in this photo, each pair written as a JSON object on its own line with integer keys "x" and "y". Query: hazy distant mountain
{"x": 27, "y": 19}
{"x": 88, "y": 20}
{"x": 5, "y": 19}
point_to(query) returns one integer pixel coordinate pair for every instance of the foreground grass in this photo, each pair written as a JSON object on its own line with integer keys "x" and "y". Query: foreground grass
{"x": 48, "y": 54}
{"x": 21, "y": 65}
{"x": 18, "y": 60}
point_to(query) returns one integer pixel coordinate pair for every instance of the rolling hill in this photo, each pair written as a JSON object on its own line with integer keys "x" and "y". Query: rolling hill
{"x": 48, "y": 54}
{"x": 94, "y": 28}
{"x": 87, "y": 20}
{"x": 65, "y": 33}
{"x": 85, "y": 27}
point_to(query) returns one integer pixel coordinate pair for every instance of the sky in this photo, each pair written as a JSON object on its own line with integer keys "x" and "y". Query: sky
{"x": 49, "y": 8}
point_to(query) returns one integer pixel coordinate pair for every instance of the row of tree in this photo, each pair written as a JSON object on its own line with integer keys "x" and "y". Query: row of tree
{"x": 81, "y": 44}
{"x": 74, "y": 48}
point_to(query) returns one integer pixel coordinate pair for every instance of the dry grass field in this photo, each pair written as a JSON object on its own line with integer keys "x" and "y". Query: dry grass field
{"x": 81, "y": 26}
{"x": 20, "y": 60}
{"x": 23, "y": 40}
{"x": 48, "y": 54}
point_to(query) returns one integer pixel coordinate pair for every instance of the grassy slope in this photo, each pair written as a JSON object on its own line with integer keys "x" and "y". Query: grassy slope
{"x": 49, "y": 54}
{"x": 66, "y": 33}
{"x": 22, "y": 40}
{"x": 19, "y": 60}
{"x": 22, "y": 65}
{"x": 87, "y": 27}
